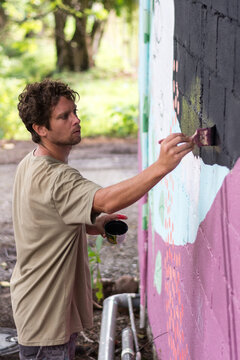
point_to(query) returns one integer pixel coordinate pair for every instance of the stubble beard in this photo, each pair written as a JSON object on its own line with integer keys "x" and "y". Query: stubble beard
{"x": 70, "y": 142}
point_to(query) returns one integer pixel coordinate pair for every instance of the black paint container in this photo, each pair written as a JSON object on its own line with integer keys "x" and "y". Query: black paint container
{"x": 115, "y": 231}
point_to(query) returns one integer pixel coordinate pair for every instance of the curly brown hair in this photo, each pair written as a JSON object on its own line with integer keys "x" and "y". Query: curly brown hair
{"x": 37, "y": 101}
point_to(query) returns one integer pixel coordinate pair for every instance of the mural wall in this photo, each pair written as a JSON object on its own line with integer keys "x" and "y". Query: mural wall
{"x": 189, "y": 228}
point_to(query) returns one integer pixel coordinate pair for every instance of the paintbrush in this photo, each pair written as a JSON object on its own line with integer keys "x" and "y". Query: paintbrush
{"x": 203, "y": 137}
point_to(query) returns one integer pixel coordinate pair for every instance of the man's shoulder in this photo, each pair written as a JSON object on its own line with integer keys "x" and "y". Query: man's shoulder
{"x": 66, "y": 172}
{"x": 25, "y": 160}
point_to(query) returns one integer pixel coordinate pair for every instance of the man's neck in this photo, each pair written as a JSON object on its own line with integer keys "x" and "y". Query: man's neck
{"x": 55, "y": 151}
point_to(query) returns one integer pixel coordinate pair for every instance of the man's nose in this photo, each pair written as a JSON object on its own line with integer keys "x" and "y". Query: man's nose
{"x": 76, "y": 119}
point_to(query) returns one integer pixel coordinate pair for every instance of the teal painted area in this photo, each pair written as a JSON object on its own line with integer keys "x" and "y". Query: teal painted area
{"x": 144, "y": 145}
{"x": 158, "y": 273}
{"x": 211, "y": 179}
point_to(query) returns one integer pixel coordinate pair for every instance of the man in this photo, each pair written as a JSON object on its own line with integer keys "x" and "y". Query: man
{"x": 53, "y": 209}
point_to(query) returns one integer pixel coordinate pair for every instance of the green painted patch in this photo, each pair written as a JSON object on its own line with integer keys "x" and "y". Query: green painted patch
{"x": 145, "y": 216}
{"x": 145, "y": 115}
{"x": 146, "y": 24}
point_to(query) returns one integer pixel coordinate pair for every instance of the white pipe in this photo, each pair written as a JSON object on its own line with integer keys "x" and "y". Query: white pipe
{"x": 107, "y": 333}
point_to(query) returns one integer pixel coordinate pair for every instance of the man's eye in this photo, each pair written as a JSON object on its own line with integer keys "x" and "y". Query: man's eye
{"x": 65, "y": 116}
{"x": 75, "y": 111}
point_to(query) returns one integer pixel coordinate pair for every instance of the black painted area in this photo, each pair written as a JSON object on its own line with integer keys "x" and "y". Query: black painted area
{"x": 236, "y": 79}
{"x": 220, "y": 5}
{"x": 182, "y": 21}
{"x": 210, "y": 41}
{"x": 225, "y": 51}
{"x": 233, "y": 9}
{"x": 206, "y": 45}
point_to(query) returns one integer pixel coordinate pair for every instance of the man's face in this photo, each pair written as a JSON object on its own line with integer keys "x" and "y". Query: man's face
{"x": 64, "y": 124}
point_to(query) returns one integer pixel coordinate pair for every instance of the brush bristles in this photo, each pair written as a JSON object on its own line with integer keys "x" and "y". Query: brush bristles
{"x": 205, "y": 137}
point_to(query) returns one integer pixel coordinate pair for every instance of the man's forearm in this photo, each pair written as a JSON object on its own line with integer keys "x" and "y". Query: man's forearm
{"x": 116, "y": 197}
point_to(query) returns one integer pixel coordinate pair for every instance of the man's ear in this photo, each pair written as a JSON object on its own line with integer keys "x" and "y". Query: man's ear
{"x": 40, "y": 130}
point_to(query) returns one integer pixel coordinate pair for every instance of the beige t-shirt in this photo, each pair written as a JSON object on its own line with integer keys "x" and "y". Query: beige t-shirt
{"x": 50, "y": 284}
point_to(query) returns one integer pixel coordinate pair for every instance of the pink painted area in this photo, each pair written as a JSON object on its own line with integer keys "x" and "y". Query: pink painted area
{"x": 199, "y": 304}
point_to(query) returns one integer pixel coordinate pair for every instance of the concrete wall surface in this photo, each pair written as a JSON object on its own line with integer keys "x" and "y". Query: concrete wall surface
{"x": 189, "y": 228}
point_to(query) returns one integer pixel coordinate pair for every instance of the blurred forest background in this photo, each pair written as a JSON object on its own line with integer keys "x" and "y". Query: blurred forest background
{"x": 91, "y": 45}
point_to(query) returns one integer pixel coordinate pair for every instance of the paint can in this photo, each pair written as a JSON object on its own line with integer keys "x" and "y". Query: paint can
{"x": 115, "y": 231}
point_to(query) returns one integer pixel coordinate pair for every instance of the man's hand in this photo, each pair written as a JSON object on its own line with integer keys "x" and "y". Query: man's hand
{"x": 98, "y": 227}
{"x": 173, "y": 149}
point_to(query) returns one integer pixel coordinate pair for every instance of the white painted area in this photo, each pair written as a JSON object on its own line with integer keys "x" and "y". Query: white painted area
{"x": 161, "y": 67}
{"x": 195, "y": 184}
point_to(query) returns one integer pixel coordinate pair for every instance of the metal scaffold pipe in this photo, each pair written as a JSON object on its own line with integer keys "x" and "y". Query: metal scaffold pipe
{"x": 134, "y": 331}
{"x": 107, "y": 333}
{"x": 127, "y": 344}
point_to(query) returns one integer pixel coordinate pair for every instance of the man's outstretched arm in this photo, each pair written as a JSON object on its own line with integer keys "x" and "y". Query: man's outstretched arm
{"x": 121, "y": 195}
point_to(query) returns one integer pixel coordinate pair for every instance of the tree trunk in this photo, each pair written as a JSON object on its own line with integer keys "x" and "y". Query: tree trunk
{"x": 64, "y": 59}
{"x": 79, "y": 45}
{"x": 78, "y": 53}
{"x": 96, "y": 36}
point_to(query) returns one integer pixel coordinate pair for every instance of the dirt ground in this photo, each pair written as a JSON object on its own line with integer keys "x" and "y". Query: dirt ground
{"x": 106, "y": 162}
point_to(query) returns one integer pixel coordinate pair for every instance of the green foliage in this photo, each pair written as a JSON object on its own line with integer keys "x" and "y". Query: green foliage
{"x": 10, "y": 124}
{"x": 30, "y": 66}
{"x": 124, "y": 121}
{"x": 99, "y": 12}
{"x": 125, "y": 5}
{"x": 94, "y": 261}
{"x": 15, "y": 72}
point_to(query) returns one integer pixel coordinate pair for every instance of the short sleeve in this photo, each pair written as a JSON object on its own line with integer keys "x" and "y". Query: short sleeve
{"x": 73, "y": 197}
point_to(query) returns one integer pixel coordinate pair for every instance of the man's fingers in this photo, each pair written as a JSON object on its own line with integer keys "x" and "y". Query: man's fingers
{"x": 174, "y": 135}
{"x": 183, "y": 153}
{"x": 175, "y": 139}
{"x": 169, "y": 137}
{"x": 183, "y": 147}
